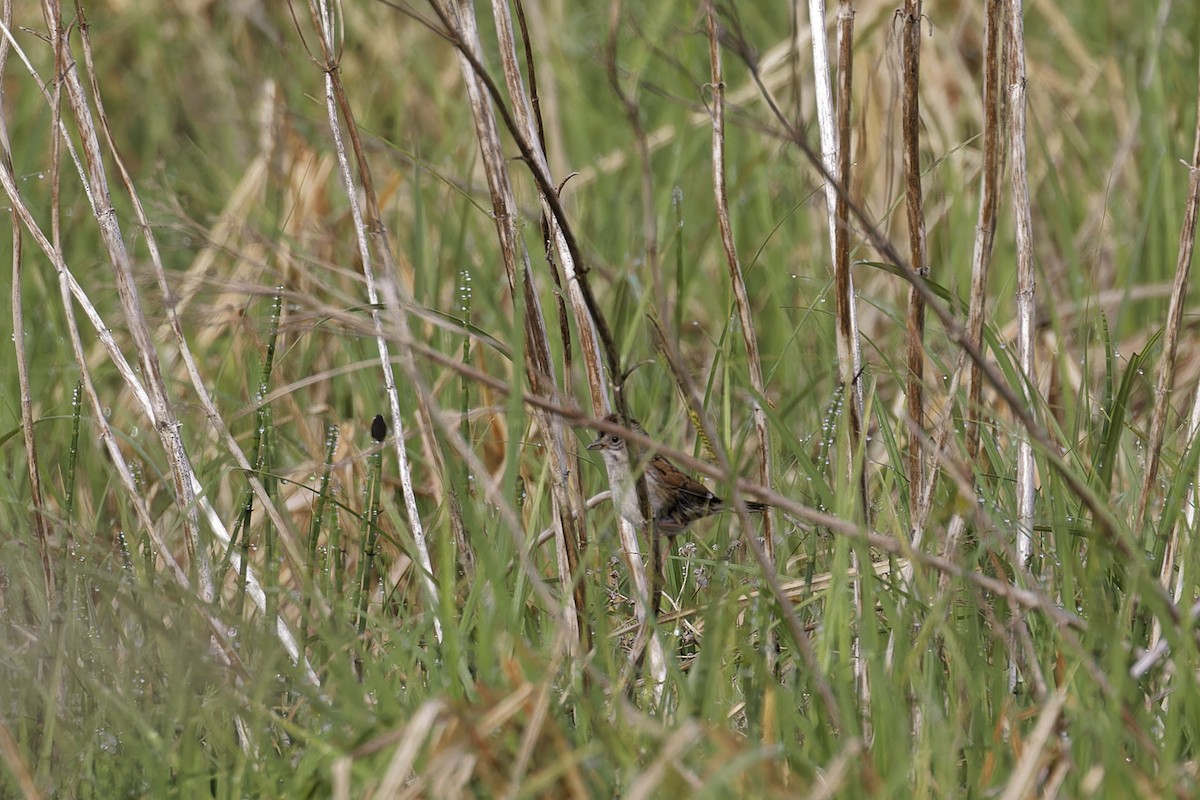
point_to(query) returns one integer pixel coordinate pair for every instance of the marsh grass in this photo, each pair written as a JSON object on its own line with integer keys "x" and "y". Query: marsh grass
{"x": 968, "y": 671}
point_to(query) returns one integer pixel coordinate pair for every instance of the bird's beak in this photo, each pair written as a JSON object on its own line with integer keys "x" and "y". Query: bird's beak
{"x": 595, "y": 445}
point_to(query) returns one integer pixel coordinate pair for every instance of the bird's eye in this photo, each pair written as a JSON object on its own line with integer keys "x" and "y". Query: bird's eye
{"x": 614, "y": 439}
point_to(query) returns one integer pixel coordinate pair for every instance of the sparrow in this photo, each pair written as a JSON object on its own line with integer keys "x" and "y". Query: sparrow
{"x": 676, "y": 500}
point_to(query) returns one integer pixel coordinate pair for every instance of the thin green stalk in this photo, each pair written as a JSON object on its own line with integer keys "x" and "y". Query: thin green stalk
{"x": 465, "y": 296}
{"x": 314, "y": 528}
{"x": 262, "y": 457}
{"x": 259, "y": 457}
{"x": 677, "y": 307}
{"x": 370, "y": 537}
{"x": 73, "y": 453}
{"x": 337, "y": 558}
{"x": 70, "y": 568}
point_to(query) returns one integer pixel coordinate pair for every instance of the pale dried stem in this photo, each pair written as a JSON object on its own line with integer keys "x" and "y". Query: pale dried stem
{"x": 561, "y": 446}
{"x": 985, "y": 234}
{"x": 491, "y": 489}
{"x": 531, "y": 737}
{"x": 68, "y": 286}
{"x": 1161, "y": 649}
{"x": 644, "y": 607}
{"x": 736, "y": 278}
{"x": 826, "y": 126}
{"x": 549, "y": 196}
{"x": 18, "y": 323}
{"x": 480, "y": 87}
{"x": 650, "y": 234}
{"x": 72, "y": 287}
{"x": 394, "y": 294}
{"x": 671, "y": 753}
{"x": 459, "y": 19}
{"x": 163, "y": 549}
{"x": 166, "y": 425}
{"x": 919, "y": 489}
{"x": 1026, "y": 294}
{"x": 1179, "y": 540}
{"x": 212, "y": 413}
{"x": 422, "y": 726}
{"x": 835, "y": 169}
{"x": 1025, "y": 272}
{"x": 14, "y": 757}
{"x": 1032, "y": 760}
{"x": 1179, "y": 543}
{"x": 920, "y": 513}
{"x": 322, "y": 15}
{"x": 742, "y": 302}
{"x": 1166, "y": 367}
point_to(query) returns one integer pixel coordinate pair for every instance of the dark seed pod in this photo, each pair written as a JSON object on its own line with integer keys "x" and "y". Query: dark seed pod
{"x": 378, "y": 428}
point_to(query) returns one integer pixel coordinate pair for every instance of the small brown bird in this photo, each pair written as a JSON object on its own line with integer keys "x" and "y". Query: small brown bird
{"x": 676, "y": 500}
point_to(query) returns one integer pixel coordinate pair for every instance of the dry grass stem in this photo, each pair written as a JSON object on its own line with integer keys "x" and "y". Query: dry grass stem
{"x": 910, "y": 138}
{"x": 1166, "y": 367}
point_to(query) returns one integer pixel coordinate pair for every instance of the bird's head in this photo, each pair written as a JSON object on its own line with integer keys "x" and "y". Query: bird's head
{"x": 607, "y": 442}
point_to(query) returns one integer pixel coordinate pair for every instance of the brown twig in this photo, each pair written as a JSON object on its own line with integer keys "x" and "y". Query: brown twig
{"x": 573, "y": 547}
{"x": 561, "y": 447}
{"x": 736, "y": 279}
{"x": 850, "y": 366}
{"x": 18, "y": 325}
{"x": 1166, "y": 368}
{"x": 985, "y": 228}
{"x": 849, "y": 357}
{"x": 910, "y": 127}
{"x": 985, "y": 234}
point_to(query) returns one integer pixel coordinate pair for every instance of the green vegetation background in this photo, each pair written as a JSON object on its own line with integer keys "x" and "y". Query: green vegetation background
{"x": 115, "y": 691}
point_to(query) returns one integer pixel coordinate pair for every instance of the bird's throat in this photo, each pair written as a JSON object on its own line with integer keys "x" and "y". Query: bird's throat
{"x": 624, "y": 491}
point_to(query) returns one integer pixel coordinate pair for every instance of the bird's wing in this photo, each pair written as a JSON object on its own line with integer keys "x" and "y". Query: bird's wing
{"x": 691, "y": 488}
